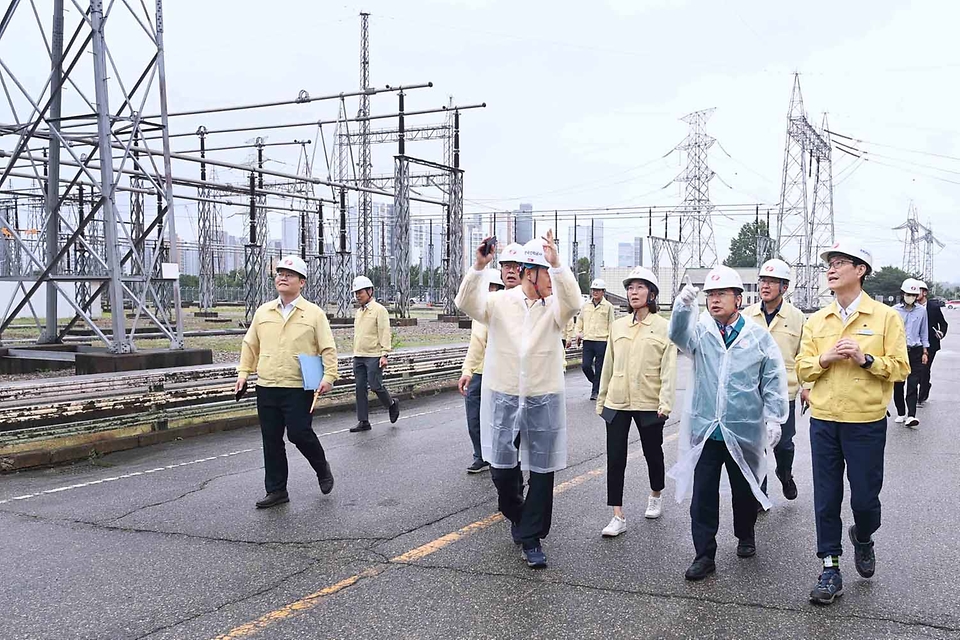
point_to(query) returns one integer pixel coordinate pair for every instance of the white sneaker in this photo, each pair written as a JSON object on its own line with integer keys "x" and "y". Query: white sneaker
{"x": 654, "y": 507}
{"x": 900, "y": 419}
{"x": 617, "y": 526}
{"x": 912, "y": 422}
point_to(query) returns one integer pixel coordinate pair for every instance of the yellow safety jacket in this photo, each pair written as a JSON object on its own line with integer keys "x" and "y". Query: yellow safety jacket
{"x": 786, "y": 329}
{"x": 844, "y": 391}
{"x": 594, "y": 321}
{"x": 371, "y": 331}
{"x": 639, "y": 368}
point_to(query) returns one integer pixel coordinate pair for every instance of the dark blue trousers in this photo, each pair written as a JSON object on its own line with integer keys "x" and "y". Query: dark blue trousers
{"x": 472, "y": 403}
{"x": 858, "y": 447}
{"x": 592, "y": 364}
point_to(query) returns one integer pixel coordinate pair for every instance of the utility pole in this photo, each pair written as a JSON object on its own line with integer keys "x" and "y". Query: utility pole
{"x": 52, "y": 200}
{"x": 205, "y": 231}
{"x": 593, "y": 254}
{"x": 365, "y": 203}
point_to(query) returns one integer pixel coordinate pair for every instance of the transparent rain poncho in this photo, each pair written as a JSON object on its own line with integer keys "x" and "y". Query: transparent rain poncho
{"x": 738, "y": 389}
{"x": 522, "y": 388}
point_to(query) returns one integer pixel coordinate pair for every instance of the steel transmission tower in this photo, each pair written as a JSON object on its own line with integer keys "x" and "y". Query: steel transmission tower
{"x": 205, "y": 232}
{"x": 805, "y": 219}
{"x": 101, "y": 138}
{"x": 930, "y": 250}
{"x": 912, "y": 239}
{"x": 365, "y": 202}
{"x": 697, "y": 245}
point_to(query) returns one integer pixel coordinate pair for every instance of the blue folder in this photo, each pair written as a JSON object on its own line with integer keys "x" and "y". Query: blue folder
{"x": 311, "y": 368}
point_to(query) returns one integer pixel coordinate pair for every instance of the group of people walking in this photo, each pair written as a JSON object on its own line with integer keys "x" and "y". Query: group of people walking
{"x": 749, "y": 368}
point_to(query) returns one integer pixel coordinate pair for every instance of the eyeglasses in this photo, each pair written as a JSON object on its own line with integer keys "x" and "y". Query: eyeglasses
{"x": 283, "y": 275}
{"x": 833, "y": 265}
{"x": 510, "y": 266}
{"x": 718, "y": 293}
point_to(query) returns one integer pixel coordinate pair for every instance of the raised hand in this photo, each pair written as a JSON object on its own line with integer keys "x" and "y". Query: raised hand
{"x": 550, "y": 250}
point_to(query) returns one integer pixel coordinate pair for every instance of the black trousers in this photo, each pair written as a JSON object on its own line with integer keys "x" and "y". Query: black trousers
{"x": 785, "y": 449}
{"x": 279, "y": 409}
{"x": 592, "y": 364}
{"x": 533, "y": 514}
{"x": 912, "y": 384}
{"x": 925, "y": 375}
{"x": 705, "y": 506}
{"x": 651, "y": 439}
{"x": 859, "y": 447}
{"x": 367, "y": 373}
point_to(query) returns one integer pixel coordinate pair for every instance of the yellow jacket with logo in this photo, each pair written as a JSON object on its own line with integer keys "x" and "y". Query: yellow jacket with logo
{"x": 844, "y": 391}
{"x": 639, "y": 368}
{"x": 473, "y": 362}
{"x": 371, "y": 331}
{"x": 272, "y": 344}
{"x": 786, "y": 329}
{"x": 594, "y": 321}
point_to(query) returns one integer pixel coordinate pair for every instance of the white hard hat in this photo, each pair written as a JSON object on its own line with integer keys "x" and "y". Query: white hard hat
{"x": 911, "y": 286}
{"x": 642, "y": 273}
{"x": 493, "y": 277}
{"x": 293, "y": 263}
{"x": 533, "y": 253}
{"x": 775, "y": 268}
{"x": 922, "y": 284}
{"x": 513, "y": 252}
{"x": 850, "y": 248}
{"x": 723, "y": 277}
{"x": 361, "y": 282}
{"x": 598, "y": 284}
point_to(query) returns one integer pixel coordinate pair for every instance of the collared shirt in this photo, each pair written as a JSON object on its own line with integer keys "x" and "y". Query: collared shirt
{"x": 273, "y": 342}
{"x": 845, "y": 313}
{"x": 371, "y": 331}
{"x": 286, "y": 309}
{"x": 770, "y": 316}
{"x": 915, "y": 324}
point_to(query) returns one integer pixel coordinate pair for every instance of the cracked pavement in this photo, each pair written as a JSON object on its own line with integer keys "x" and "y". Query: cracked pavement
{"x": 182, "y": 553}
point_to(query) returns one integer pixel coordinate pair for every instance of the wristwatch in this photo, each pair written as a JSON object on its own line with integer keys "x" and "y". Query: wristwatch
{"x": 868, "y": 362}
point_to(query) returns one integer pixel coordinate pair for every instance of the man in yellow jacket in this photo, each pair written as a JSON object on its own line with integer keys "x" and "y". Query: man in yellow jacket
{"x": 281, "y": 330}
{"x": 593, "y": 329}
{"x": 852, "y": 351}
{"x": 471, "y": 376}
{"x": 371, "y": 344}
{"x": 785, "y": 324}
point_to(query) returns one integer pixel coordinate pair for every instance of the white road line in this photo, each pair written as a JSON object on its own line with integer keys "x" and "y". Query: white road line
{"x": 168, "y": 467}
{"x": 134, "y": 474}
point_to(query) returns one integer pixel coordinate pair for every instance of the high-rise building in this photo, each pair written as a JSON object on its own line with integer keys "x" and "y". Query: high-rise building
{"x": 638, "y": 251}
{"x": 583, "y": 242}
{"x": 290, "y": 234}
{"x": 523, "y": 221}
{"x": 625, "y": 257}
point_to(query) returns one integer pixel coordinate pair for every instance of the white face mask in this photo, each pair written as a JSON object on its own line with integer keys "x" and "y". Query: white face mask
{"x": 909, "y": 299}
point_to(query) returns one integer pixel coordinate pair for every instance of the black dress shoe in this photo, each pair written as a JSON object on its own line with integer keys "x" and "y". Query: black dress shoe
{"x": 361, "y": 426}
{"x": 394, "y": 411}
{"x": 326, "y": 480}
{"x": 272, "y": 499}
{"x": 746, "y": 549}
{"x": 700, "y": 569}
{"x": 789, "y": 487}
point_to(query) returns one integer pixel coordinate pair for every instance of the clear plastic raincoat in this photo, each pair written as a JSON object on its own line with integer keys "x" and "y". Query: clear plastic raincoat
{"x": 522, "y": 388}
{"x": 738, "y": 389}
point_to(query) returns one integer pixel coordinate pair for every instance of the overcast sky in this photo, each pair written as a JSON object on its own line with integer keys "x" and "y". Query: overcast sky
{"x": 583, "y": 104}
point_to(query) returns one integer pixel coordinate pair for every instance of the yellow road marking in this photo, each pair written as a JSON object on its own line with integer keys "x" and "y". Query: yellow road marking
{"x": 312, "y": 600}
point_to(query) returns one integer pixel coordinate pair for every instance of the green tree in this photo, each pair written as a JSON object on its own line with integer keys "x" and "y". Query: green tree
{"x": 885, "y": 282}
{"x": 583, "y": 274}
{"x": 743, "y": 248}
{"x": 189, "y": 282}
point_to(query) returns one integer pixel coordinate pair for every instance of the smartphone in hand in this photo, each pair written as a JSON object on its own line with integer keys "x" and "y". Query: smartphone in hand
{"x": 488, "y": 246}
{"x": 241, "y": 392}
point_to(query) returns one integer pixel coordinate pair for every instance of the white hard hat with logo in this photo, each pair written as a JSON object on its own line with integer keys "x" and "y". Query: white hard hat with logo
{"x": 722, "y": 277}
{"x": 513, "y": 252}
{"x": 533, "y": 254}
{"x": 493, "y": 277}
{"x": 642, "y": 273}
{"x": 850, "y": 248}
{"x": 922, "y": 285}
{"x": 598, "y": 284}
{"x": 911, "y": 287}
{"x": 775, "y": 268}
{"x": 361, "y": 282}
{"x": 293, "y": 263}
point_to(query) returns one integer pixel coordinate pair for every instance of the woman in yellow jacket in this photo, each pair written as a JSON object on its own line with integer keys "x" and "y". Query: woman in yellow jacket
{"x": 637, "y": 384}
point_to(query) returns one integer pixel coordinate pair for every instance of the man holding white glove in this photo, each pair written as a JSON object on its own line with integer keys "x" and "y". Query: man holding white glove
{"x": 738, "y": 402}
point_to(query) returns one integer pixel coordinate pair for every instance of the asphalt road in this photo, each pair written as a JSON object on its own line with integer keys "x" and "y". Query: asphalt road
{"x": 164, "y": 543}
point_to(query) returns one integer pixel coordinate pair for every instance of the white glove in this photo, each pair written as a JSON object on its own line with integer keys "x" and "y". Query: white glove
{"x": 688, "y": 295}
{"x": 773, "y": 434}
